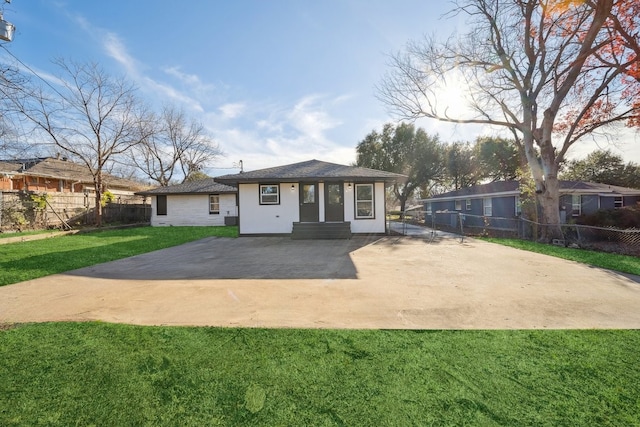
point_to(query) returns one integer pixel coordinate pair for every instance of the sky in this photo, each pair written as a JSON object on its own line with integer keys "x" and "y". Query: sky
{"x": 273, "y": 81}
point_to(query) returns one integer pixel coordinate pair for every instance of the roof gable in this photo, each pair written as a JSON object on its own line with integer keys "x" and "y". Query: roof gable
{"x": 201, "y": 186}
{"x": 311, "y": 170}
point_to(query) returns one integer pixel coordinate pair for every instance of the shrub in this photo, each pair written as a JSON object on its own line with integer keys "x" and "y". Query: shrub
{"x": 627, "y": 217}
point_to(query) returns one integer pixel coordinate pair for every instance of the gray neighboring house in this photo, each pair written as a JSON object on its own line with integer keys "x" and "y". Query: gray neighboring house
{"x": 312, "y": 199}
{"x": 502, "y": 200}
{"x": 204, "y": 202}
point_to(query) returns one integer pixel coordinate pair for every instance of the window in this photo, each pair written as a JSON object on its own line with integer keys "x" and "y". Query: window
{"x": 458, "y": 205}
{"x": 364, "y": 201}
{"x": 618, "y": 202}
{"x": 576, "y": 205}
{"x": 270, "y": 194}
{"x": 429, "y": 208}
{"x": 487, "y": 208}
{"x": 518, "y": 206}
{"x": 214, "y": 203}
{"x": 161, "y": 205}
{"x": 468, "y": 204}
{"x": 308, "y": 193}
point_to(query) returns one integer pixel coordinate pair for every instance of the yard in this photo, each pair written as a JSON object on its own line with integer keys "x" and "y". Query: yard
{"x": 105, "y": 374}
{"x": 96, "y": 373}
{"x": 30, "y": 260}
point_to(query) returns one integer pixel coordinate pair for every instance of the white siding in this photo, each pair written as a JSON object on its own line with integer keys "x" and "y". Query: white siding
{"x": 268, "y": 219}
{"x": 375, "y": 225}
{"x": 279, "y": 219}
{"x": 193, "y": 209}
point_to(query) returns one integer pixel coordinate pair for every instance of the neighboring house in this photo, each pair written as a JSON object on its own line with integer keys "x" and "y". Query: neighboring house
{"x": 312, "y": 199}
{"x": 53, "y": 175}
{"x": 502, "y": 200}
{"x": 202, "y": 202}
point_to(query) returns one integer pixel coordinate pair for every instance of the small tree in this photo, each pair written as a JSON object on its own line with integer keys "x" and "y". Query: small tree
{"x": 604, "y": 167}
{"x": 499, "y": 158}
{"x": 405, "y": 150}
{"x": 90, "y": 115}
{"x": 175, "y": 145}
{"x": 462, "y": 165}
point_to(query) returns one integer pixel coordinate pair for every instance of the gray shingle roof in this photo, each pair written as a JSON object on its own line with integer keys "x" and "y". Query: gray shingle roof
{"x": 202, "y": 186}
{"x": 311, "y": 170}
{"x": 49, "y": 167}
{"x": 7, "y": 167}
{"x": 566, "y": 187}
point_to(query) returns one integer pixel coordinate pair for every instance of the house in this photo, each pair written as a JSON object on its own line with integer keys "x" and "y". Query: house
{"x": 502, "y": 200}
{"x": 57, "y": 175}
{"x": 202, "y": 202}
{"x": 312, "y": 199}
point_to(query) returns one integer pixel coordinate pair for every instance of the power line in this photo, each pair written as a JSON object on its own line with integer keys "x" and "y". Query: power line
{"x": 31, "y": 70}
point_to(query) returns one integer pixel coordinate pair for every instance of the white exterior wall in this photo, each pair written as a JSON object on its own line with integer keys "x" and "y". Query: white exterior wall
{"x": 192, "y": 209}
{"x": 279, "y": 219}
{"x": 375, "y": 225}
{"x": 268, "y": 219}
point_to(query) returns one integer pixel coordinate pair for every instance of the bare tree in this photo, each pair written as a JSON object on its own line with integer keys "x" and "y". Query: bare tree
{"x": 549, "y": 71}
{"x": 89, "y": 114}
{"x": 12, "y": 143}
{"x": 176, "y": 145}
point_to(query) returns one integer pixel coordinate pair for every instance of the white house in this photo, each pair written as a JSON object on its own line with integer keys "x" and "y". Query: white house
{"x": 202, "y": 202}
{"x": 311, "y": 199}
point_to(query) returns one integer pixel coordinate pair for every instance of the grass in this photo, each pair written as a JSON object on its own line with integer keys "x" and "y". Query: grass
{"x": 622, "y": 263}
{"x": 25, "y": 233}
{"x": 29, "y": 260}
{"x": 112, "y": 375}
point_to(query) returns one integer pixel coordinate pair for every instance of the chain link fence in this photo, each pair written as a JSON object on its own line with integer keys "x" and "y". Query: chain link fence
{"x": 607, "y": 239}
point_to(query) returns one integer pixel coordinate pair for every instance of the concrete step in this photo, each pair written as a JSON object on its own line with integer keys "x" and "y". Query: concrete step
{"x": 321, "y": 230}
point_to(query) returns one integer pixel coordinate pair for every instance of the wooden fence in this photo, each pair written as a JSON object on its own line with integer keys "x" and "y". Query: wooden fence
{"x": 25, "y": 210}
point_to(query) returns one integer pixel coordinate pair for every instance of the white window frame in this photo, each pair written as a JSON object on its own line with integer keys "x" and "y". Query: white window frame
{"x": 360, "y": 201}
{"x": 458, "y": 205}
{"x": 468, "y": 204}
{"x": 576, "y": 205}
{"x": 429, "y": 208}
{"x": 267, "y": 198}
{"x": 487, "y": 206}
{"x": 618, "y": 202}
{"x": 214, "y": 204}
{"x": 518, "y": 206}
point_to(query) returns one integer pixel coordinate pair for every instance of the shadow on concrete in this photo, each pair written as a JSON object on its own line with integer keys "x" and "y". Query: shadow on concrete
{"x": 241, "y": 258}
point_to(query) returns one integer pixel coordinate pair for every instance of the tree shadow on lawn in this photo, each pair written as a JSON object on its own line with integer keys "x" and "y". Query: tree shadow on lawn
{"x": 240, "y": 258}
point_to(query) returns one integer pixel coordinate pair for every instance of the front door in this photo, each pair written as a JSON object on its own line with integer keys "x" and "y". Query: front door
{"x": 309, "y": 202}
{"x": 334, "y": 202}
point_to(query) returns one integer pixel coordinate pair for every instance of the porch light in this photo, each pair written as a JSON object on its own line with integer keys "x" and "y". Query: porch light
{"x": 349, "y": 187}
{"x": 293, "y": 187}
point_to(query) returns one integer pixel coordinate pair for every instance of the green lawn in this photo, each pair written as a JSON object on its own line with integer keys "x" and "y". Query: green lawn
{"x": 29, "y": 260}
{"x": 622, "y": 263}
{"x": 118, "y": 375}
{"x": 26, "y": 233}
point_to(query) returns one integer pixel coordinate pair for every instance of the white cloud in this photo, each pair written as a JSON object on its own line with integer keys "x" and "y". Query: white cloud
{"x": 192, "y": 81}
{"x": 262, "y": 134}
{"x": 116, "y": 50}
{"x": 231, "y": 111}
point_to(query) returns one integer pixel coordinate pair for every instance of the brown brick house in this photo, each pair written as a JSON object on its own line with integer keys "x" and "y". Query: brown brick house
{"x": 53, "y": 175}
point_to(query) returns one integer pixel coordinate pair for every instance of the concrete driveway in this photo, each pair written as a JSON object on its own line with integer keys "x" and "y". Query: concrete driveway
{"x": 390, "y": 282}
